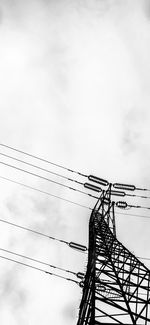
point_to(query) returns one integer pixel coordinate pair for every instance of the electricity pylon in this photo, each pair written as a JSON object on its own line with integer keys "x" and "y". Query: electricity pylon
{"x": 116, "y": 288}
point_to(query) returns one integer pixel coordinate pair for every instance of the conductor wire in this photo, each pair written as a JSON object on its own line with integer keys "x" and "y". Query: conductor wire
{"x": 41, "y": 234}
{"x": 138, "y": 207}
{"x": 46, "y": 179}
{"x": 44, "y": 192}
{"x": 38, "y": 269}
{"x": 37, "y": 261}
{"x": 58, "y": 165}
{"x": 33, "y": 231}
{"x": 42, "y": 159}
{"x": 133, "y": 215}
{"x": 41, "y": 168}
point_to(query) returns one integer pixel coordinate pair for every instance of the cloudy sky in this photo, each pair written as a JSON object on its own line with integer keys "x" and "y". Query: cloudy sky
{"x": 74, "y": 89}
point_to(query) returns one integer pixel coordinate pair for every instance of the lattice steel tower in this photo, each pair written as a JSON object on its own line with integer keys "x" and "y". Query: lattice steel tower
{"x": 116, "y": 288}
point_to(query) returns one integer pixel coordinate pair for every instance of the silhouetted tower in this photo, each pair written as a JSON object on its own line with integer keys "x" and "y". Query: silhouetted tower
{"x": 116, "y": 289}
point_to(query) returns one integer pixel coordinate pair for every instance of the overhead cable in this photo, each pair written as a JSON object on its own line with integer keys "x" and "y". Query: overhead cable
{"x": 39, "y": 269}
{"x": 46, "y": 179}
{"x": 41, "y": 168}
{"x": 42, "y": 159}
{"x": 125, "y": 205}
{"x": 122, "y": 194}
{"x": 42, "y": 234}
{"x": 90, "y": 177}
{"x": 138, "y": 207}
{"x": 133, "y": 215}
{"x": 129, "y": 187}
{"x": 72, "y": 202}
{"x": 58, "y": 197}
{"x": 60, "y": 240}
{"x": 70, "y": 244}
{"x": 44, "y": 192}
{"x": 78, "y": 274}
{"x": 144, "y": 258}
{"x": 37, "y": 261}
{"x": 33, "y": 231}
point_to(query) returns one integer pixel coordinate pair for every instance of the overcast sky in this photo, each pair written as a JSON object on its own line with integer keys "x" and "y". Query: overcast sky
{"x": 74, "y": 89}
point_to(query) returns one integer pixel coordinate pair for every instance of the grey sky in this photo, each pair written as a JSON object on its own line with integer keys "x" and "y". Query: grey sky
{"x": 74, "y": 88}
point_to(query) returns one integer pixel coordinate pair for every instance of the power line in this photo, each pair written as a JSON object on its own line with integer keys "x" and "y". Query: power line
{"x": 42, "y": 159}
{"x": 33, "y": 231}
{"x": 124, "y": 205}
{"x": 144, "y": 258}
{"x": 44, "y": 192}
{"x": 70, "y": 244}
{"x": 60, "y": 240}
{"x": 133, "y": 215}
{"x": 47, "y": 193}
{"x": 138, "y": 207}
{"x": 38, "y": 269}
{"x": 69, "y": 201}
{"x": 128, "y": 187}
{"x": 118, "y": 193}
{"x": 90, "y": 177}
{"x": 37, "y": 261}
{"x": 63, "y": 185}
{"x": 53, "y": 238}
{"x": 42, "y": 234}
{"x": 123, "y": 194}
{"x": 41, "y": 168}
{"x": 47, "y": 179}
{"x": 73, "y": 171}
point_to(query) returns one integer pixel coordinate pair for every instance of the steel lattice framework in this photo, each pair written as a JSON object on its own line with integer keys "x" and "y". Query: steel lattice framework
{"x": 116, "y": 289}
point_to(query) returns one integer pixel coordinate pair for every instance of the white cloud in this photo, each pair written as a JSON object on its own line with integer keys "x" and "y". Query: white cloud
{"x": 74, "y": 87}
